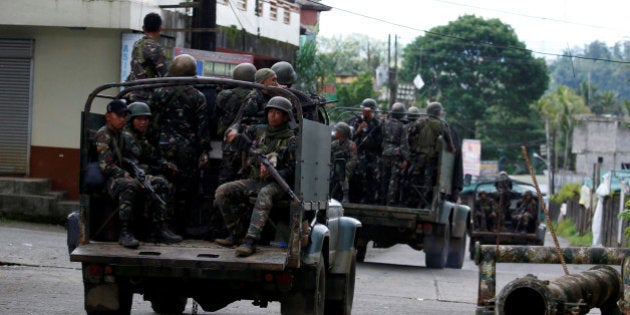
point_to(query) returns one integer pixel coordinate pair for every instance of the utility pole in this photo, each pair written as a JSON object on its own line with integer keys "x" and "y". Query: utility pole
{"x": 205, "y": 21}
{"x": 392, "y": 71}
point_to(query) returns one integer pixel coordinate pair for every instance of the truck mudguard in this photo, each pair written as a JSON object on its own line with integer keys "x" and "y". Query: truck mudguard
{"x": 344, "y": 251}
{"x": 460, "y": 217}
{"x": 311, "y": 253}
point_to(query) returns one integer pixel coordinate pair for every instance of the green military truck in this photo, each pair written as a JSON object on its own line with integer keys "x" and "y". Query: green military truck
{"x": 508, "y": 233}
{"x": 439, "y": 229}
{"x": 308, "y": 268}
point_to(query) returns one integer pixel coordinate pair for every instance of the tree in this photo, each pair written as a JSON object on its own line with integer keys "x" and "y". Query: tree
{"x": 313, "y": 70}
{"x": 482, "y": 74}
{"x": 354, "y": 54}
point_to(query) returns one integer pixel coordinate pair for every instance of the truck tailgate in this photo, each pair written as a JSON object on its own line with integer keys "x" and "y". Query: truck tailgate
{"x": 386, "y": 215}
{"x": 187, "y": 254}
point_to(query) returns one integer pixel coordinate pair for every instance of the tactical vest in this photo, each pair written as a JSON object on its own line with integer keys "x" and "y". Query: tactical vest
{"x": 425, "y": 135}
{"x": 392, "y": 137}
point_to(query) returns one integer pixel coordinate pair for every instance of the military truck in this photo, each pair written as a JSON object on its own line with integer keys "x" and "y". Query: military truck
{"x": 508, "y": 233}
{"x": 308, "y": 268}
{"x": 438, "y": 227}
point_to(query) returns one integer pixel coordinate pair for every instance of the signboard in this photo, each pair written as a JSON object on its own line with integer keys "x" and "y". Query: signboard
{"x": 214, "y": 63}
{"x": 471, "y": 155}
{"x": 128, "y": 39}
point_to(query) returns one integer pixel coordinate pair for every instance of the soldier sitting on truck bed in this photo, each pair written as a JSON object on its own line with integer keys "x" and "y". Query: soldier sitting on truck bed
{"x": 277, "y": 141}
{"x": 524, "y": 217}
{"x": 111, "y": 142}
{"x": 485, "y": 213}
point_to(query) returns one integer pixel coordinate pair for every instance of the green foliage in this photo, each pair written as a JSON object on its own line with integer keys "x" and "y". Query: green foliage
{"x": 625, "y": 215}
{"x": 567, "y": 229}
{"x": 313, "y": 71}
{"x": 602, "y": 84}
{"x": 566, "y": 192}
{"x": 354, "y": 54}
{"x": 485, "y": 78}
{"x": 355, "y": 92}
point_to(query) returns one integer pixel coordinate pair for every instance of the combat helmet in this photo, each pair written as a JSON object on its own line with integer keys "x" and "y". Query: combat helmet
{"x": 413, "y": 113}
{"x": 184, "y": 65}
{"x": 434, "y": 108}
{"x": 343, "y": 129}
{"x": 369, "y": 103}
{"x": 138, "y": 109}
{"x": 284, "y": 105}
{"x": 285, "y": 73}
{"x": 398, "y": 110}
{"x": 244, "y": 71}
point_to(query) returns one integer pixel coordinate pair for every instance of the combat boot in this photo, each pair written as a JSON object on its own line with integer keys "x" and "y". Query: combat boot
{"x": 127, "y": 239}
{"x": 228, "y": 241}
{"x": 164, "y": 235}
{"x": 247, "y": 248}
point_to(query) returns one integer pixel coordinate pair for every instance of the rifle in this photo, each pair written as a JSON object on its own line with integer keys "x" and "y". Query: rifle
{"x": 144, "y": 181}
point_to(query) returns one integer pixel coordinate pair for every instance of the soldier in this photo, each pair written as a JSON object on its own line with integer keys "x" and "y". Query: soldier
{"x": 310, "y": 103}
{"x": 229, "y": 101}
{"x": 343, "y": 155}
{"x": 182, "y": 122}
{"x": 425, "y": 141}
{"x": 147, "y": 58}
{"x": 395, "y": 154}
{"x": 368, "y": 137}
{"x": 413, "y": 113}
{"x": 138, "y": 149}
{"x": 525, "y": 214}
{"x": 277, "y": 141}
{"x": 252, "y": 110}
{"x": 503, "y": 184}
{"x": 485, "y": 212}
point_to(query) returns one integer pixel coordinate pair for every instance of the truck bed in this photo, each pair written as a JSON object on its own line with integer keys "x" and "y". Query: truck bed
{"x": 380, "y": 215}
{"x": 187, "y": 254}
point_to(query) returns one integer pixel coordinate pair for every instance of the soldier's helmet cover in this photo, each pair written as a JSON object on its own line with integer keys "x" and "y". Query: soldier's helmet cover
{"x": 343, "y": 129}
{"x": 283, "y": 104}
{"x": 398, "y": 110}
{"x": 434, "y": 108}
{"x": 482, "y": 192}
{"x": 413, "y": 113}
{"x": 285, "y": 73}
{"x": 369, "y": 103}
{"x": 244, "y": 72}
{"x": 528, "y": 193}
{"x": 184, "y": 65}
{"x": 138, "y": 109}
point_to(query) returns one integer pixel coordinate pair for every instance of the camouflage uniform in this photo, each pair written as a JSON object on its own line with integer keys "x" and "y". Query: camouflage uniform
{"x": 279, "y": 142}
{"x": 253, "y": 111}
{"x": 525, "y": 215}
{"x": 395, "y": 151}
{"x": 366, "y": 177}
{"x": 147, "y": 61}
{"x": 137, "y": 147}
{"x": 120, "y": 185}
{"x": 181, "y": 117}
{"x": 503, "y": 185}
{"x": 310, "y": 104}
{"x": 485, "y": 213}
{"x": 425, "y": 142}
{"x": 346, "y": 151}
{"x": 228, "y": 104}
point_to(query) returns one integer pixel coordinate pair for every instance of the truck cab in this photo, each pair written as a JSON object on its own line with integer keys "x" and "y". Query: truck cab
{"x": 307, "y": 268}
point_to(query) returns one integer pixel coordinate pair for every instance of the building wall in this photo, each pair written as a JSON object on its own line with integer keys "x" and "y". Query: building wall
{"x": 604, "y": 137}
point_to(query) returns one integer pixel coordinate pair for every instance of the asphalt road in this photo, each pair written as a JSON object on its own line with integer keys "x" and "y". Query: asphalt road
{"x": 36, "y": 277}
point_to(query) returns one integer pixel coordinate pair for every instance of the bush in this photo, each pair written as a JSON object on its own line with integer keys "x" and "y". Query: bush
{"x": 566, "y": 192}
{"x": 567, "y": 229}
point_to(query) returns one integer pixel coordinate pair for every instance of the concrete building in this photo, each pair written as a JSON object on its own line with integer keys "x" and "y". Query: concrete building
{"x": 53, "y": 53}
{"x": 597, "y": 137}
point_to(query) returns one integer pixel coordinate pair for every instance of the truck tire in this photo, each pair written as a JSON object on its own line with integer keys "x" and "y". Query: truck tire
{"x": 310, "y": 300}
{"x": 166, "y": 304}
{"x": 342, "y": 306}
{"x": 456, "y": 252}
{"x": 436, "y": 246}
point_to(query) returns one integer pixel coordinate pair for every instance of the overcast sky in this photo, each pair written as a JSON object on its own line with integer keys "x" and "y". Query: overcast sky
{"x": 548, "y": 26}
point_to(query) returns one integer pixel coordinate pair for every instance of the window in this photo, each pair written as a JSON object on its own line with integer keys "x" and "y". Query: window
{"x": 273, "y": 12}
{"x": 241, "y": 4}
{"x": 287, "y": 16}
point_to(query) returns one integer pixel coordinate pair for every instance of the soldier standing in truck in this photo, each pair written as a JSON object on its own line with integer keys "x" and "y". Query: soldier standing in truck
{"x": 369, "y": 137}
{"x": 343, "y": 153}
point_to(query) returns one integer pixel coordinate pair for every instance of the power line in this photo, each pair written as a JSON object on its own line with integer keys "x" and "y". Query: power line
{"x": 473, "y": 42}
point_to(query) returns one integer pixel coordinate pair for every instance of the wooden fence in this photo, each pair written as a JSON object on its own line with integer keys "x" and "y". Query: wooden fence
{"x": 582, "y": 218}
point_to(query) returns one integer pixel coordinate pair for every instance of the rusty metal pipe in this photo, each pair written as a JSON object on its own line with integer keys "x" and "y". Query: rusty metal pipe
{"x": 598, "y": 287}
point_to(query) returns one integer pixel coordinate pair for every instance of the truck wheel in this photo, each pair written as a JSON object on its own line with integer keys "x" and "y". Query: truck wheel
{"x": 310, "y": 296}
{"x": 165, "y": 304}
{"x": 346, "y": 286}
{"x": 471, "y": 248}
{"x": 436, "y": 246}
{"x": 456, "y": 252}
